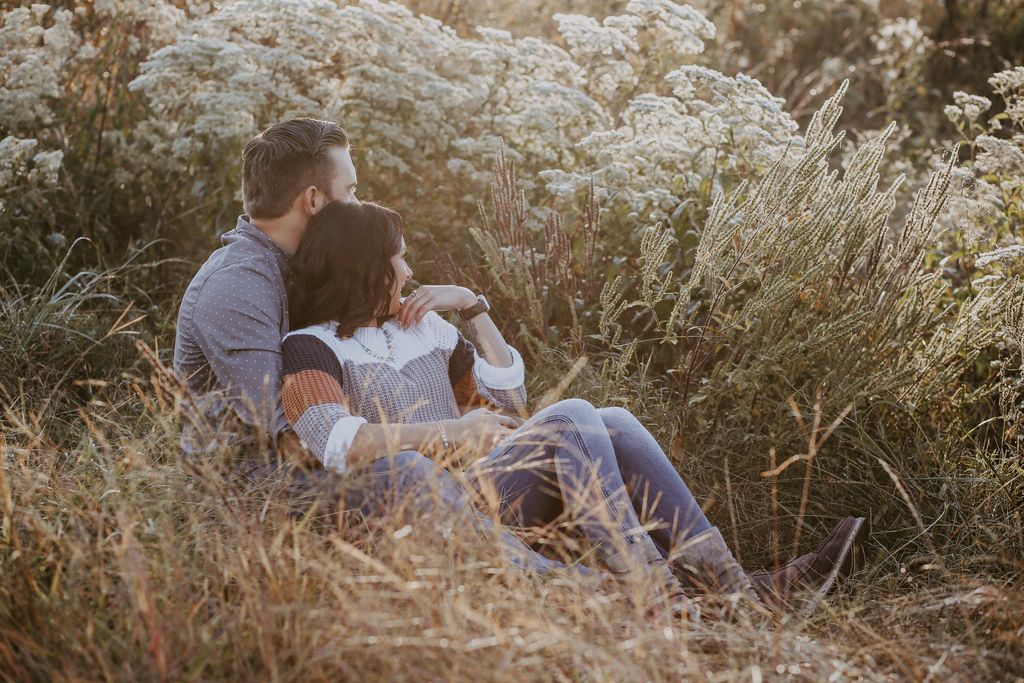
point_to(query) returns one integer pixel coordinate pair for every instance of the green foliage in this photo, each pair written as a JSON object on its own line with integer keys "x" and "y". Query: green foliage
{"x": 796, "y": 300}
{"x": 65, "y": 340}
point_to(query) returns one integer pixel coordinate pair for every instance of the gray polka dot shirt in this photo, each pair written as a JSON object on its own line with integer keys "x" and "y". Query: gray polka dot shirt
{"x": 228, "y": 342}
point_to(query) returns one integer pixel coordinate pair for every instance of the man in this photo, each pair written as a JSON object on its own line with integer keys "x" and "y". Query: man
{"x": 235, "y": 310}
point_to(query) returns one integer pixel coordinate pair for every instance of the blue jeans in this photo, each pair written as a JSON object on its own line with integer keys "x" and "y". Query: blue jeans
{"x": 409, "y": 482}
{"x": 598, "y": 464}
{"x": 601, "y": 466}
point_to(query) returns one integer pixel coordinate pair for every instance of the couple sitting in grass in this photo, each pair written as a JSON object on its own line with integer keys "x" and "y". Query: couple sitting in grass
{"x": 297, "y": 328}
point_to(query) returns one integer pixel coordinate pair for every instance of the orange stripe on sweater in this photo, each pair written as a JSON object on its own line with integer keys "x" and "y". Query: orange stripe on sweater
{"x": 466, "y": 393}
{"x": 308, "y": 388}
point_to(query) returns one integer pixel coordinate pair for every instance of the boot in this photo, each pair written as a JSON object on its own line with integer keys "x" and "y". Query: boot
{"x": 709, "y": 566}
{"x": 641, "y": 553}
{"x": 803, "y": 582}
{"x": 644, "y": 556}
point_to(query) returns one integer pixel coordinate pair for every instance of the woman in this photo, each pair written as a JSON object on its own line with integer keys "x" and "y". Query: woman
{"x": 368, "y": 372}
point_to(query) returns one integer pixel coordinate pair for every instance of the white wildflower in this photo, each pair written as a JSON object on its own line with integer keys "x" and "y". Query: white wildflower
{"x": 973, "y": 106}
{"x": 1009, "y": 82}
{"x": 899, "y": 43}
{"x": 46, "y": 167}
{"x": 901, "y": 34}
{"x": 494, "y": 35}
{"x": 33, "y": 60}
{"x": 1000, "y": 156}
{"x": 678, "y": 31}
{"x": 13, "y": 158}
{"x": 1015, "y": 111}
{"x": 1011, "y": 252}
{"x": 587, "y": 38}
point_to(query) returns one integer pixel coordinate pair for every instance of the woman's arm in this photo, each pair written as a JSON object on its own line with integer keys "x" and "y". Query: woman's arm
{"x": 481, "y": 328}
{"x": 488, "y": 340}
{"x": 506, "y": 387}
{"x": 316, "y": 406}
{"x": 486, "y": 367}
{"x": 476, "y": 381}
{"x": 374, "y": 441}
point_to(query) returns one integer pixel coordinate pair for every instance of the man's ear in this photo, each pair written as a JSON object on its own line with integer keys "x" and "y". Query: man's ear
{"x": 312, "y": 200}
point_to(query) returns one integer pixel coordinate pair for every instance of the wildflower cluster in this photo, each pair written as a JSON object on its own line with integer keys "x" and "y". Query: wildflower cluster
{"x": 68, "y": 137}
{"x": 33, "y": 66}
{"x": 422, "y": 101}
{"x": 991, "y": 205}
{"x": 900, "y": 45}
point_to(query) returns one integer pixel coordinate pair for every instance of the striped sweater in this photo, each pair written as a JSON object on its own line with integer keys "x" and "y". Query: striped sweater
{"x": 333, "y": 386}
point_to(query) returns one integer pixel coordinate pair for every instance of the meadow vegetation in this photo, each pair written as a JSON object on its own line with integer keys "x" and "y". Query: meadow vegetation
{"x": 787, "y": 237}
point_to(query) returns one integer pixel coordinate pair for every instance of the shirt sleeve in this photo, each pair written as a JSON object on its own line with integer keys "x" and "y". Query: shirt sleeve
{"x": 477, "y": 382}
{"x": 237, "y": 324}
{"x": 313, "y": 400}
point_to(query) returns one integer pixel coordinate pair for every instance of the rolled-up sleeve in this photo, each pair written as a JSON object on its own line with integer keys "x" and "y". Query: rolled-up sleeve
{"x": 314, "y": 402}
{"x": 493, "y": 377}
{"x": 474, "y": 379}
{"x": 237, "y": 324}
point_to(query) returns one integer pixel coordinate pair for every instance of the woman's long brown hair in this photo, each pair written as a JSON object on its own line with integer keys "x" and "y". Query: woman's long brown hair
{"x": 343, "y": 268}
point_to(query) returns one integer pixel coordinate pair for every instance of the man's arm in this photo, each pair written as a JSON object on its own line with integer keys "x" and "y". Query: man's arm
{"x": 237, "y": 324}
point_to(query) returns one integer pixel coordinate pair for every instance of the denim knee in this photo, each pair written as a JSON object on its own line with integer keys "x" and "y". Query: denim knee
{"x": 408, "y": 482}
{"x": 617, "y": 419}
{"x": 404, "y": 469}
{"x": 574, "y": 409}
{"x": 412, "y": 460}
{"x": 415, "y": 472}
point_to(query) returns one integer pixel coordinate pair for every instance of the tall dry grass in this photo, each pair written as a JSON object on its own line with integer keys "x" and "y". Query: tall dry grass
{"x": 795, "y": 347}
{"x": 122, "y": 562}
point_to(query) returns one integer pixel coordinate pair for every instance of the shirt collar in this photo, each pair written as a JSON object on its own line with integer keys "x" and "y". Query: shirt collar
{"x": 244, "y": 226}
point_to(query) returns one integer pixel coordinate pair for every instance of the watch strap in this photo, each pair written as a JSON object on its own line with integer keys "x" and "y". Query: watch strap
{"x": 481, "y": 306}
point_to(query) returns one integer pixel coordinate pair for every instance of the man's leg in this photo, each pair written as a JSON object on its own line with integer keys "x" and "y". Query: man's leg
{"x": 410, "y": 482}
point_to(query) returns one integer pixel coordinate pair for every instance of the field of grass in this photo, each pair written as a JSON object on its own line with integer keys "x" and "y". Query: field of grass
{"x": 847, "y": 312}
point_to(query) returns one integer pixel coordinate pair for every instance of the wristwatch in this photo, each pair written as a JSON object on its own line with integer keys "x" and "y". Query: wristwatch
{"x": 481, "y": 306}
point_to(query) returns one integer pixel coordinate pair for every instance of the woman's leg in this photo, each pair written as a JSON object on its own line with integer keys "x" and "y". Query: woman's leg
{"x": 413, "y": 481}
{"x": 683, "y": 534}
{"x": 564, "y": 457}
{"x": 655, "y": 487}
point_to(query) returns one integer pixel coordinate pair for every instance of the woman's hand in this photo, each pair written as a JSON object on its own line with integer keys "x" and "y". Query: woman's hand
{"x": 481, "y": 429}
{"x": 427, "y": 298}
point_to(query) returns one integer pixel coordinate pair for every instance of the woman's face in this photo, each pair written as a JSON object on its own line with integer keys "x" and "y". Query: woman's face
{"x": 402, "y": 274}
